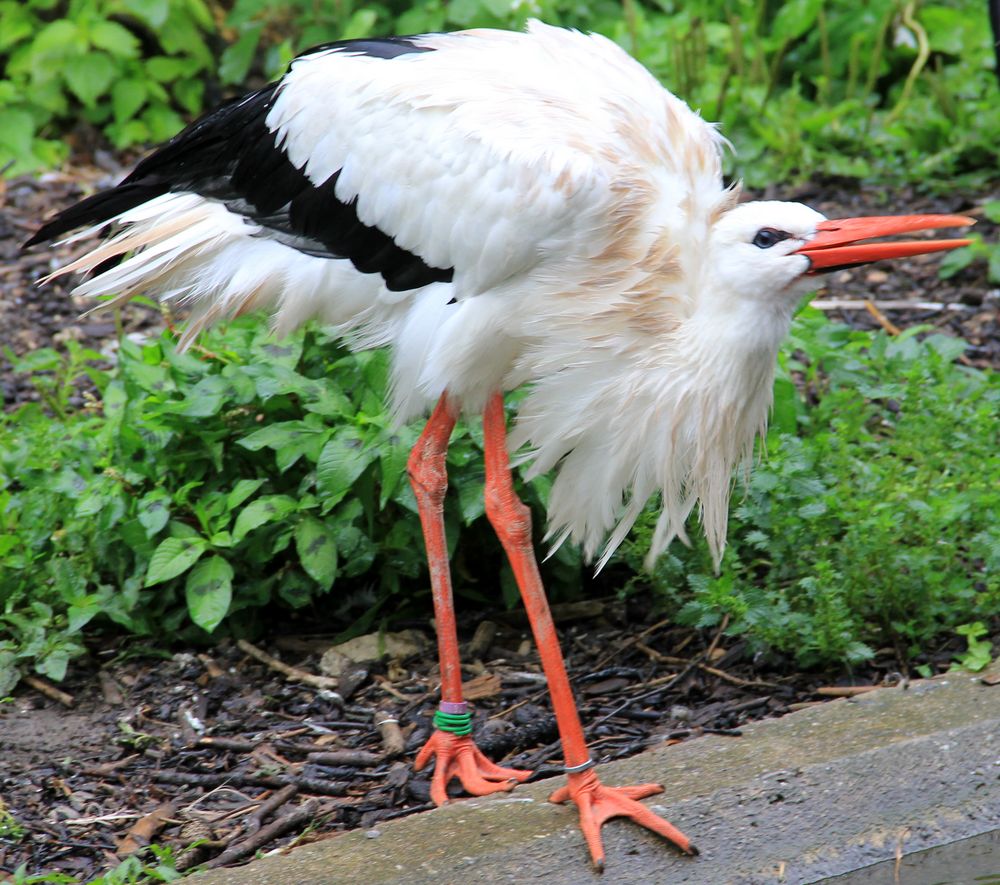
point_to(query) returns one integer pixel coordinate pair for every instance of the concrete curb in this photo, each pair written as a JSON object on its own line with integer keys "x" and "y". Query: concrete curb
{"x": 815, "y": 794}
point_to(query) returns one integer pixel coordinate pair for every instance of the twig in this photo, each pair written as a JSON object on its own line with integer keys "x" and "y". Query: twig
{"x": 224, "y": 743}
{"x": 715, "y": 639}
{"x": 890, "y": 304}
{"x": 714, "y": 671}
{"x": 292, "y": 674}
{"x": 359, "y": 758}
{"x": 274, "y": 782}
{"x": 881, "y": 318}
{"x": 264, "y": 835}
{"x": 844, "y": 691}
{"x": 268, "y": 808}
{"x": 49, "y": 690}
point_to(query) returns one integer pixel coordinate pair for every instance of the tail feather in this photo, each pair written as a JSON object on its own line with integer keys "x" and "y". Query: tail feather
{"x": 96, "y": 210}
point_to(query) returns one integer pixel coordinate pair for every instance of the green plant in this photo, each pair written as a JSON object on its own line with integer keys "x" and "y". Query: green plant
{"x": 131, "y": 871}
{"x": 869, "y": 521}
{"x": 978, "y": 250}
{"x": 134, "y": 68}
{"x": 978, "y": 654}
{"x": 889, "y": 90}
{"x": 215, "y": 483}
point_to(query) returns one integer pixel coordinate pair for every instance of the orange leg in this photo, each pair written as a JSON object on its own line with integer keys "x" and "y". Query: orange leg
{"x": 455, "y": 754}
{"x": 512, "y": 522}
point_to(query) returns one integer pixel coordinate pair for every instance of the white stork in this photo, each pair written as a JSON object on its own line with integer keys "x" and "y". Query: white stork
{"x": 500, "y": 208}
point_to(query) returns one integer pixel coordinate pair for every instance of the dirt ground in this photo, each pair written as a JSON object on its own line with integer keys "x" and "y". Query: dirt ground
{"x": 212, "y": 747}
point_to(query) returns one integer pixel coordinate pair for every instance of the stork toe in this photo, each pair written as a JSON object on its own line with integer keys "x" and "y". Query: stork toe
{"x": 598, "y": 803}
{"x": 458, "y": 756}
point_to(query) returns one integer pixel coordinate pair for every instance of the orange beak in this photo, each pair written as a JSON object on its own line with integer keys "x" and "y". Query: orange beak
{"x": 836, "y": 242}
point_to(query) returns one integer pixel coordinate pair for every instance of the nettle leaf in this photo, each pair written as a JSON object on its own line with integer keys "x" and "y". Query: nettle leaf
{"x": 317, "y": 548}
{"x": 343, "y": 459}
{"x": 89, "y": 76}
{"x": 153, "y": 12}
{"x": 270, "y": 508}
{"x": 209, "y": 592}
{"x": 127, "y": 96}
{"x": 115, "y": 38}
{"x": 173, "y": 557}
{"x": 795, "y": 17}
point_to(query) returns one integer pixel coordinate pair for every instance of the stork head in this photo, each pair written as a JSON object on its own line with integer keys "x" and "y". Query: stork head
{"x": 761, "y": 250}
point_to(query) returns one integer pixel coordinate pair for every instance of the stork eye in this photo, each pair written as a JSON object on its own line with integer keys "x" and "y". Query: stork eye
{"x": 766, "y": 237}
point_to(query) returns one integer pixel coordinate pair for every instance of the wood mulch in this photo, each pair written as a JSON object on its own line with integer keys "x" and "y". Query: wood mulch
{"x": 220, "y": 756}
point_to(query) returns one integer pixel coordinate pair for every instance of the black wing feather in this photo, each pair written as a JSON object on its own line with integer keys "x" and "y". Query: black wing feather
{"x": 230, "y": 155}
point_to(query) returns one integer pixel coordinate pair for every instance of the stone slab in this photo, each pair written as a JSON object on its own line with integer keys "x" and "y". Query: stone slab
{"x": 815, "y": 794}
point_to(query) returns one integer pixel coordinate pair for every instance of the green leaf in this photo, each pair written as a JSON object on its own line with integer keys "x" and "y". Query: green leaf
{"x": 127, "y": 96}
{"x": 115, "y": 38}
{"x": 360, "y": 24}
{"x": 317, "y": 548}
{"x": 56, "y": 38}
{"x": 270, "y": 508}
{"x": 280, "y": 435}
{"x": 209, "y": 592}
{"x": 343, "y": 459}
{"x": 153, "y": 12}
{"x": 17, "y": 129}
{"x": 795, "y": 17}
{"x": 89, "y": 76}
{"x": 154, "y": 511}
{"x": 237, "y": 57}
{"x": 173, "y": 557}
{"x": 241, "y": 491}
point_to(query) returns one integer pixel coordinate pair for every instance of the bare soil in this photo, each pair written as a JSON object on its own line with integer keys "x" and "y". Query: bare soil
{"x": 210, "y": 747}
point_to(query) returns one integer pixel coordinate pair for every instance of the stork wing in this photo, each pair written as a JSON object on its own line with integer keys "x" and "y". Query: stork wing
{"x": 467, "y": 157}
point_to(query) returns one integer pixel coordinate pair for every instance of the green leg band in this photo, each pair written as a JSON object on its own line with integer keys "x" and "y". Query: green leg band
{"x": 456, "y": 723}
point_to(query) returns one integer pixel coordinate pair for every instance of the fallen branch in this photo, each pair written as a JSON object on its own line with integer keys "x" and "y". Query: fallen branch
{"x": 292, "y": 674}
{"x": 268, "y": 808}
{"x": 359, "y": 758}
{"x": 272, "y": 782}
{"x": 49, "y": 690}
{"x": 282, "y": 825}
{"x": 844, "y": 691}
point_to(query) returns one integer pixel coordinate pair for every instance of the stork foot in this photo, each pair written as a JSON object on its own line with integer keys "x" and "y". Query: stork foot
{"x": 457, "y": 756}
{"x": 598, "y": 803}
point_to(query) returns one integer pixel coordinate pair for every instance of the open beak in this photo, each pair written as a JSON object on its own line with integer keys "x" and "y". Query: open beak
{"x": 836, "y": 242}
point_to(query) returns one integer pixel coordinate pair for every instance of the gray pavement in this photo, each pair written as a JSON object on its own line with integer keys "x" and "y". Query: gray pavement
{"x": 814, "y": 794}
